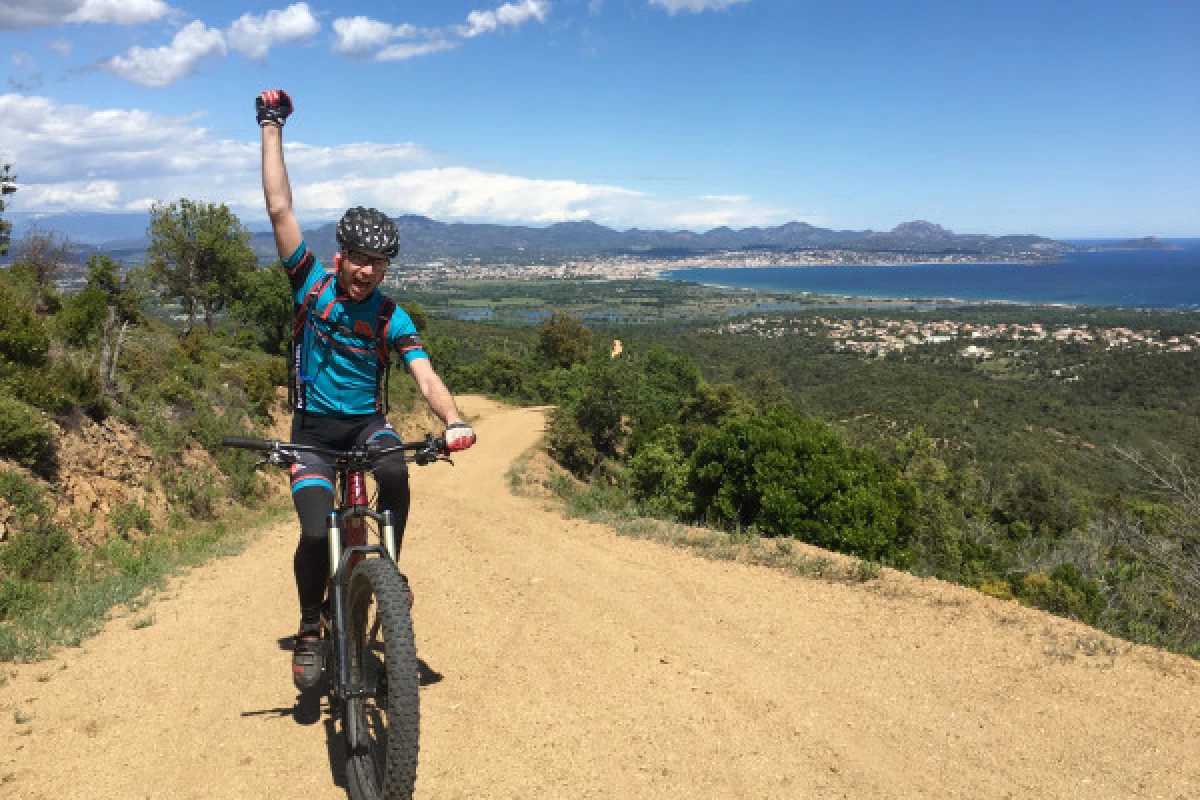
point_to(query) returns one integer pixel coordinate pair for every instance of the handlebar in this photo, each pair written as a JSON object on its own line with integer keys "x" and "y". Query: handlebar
{"x": 362, "y": 457}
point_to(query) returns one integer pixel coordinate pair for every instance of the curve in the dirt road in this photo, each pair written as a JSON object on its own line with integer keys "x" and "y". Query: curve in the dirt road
{"x": 562, "y": 660}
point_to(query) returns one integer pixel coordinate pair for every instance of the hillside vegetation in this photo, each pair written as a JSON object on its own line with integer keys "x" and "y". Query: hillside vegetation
{"x": 1057, "y": 475}
{"x": 1051, "y": 472}
{"x": 113, "y": 400}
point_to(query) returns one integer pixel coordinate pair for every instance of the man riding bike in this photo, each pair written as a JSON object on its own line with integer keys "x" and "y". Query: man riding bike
{"x": 345, "y": 332}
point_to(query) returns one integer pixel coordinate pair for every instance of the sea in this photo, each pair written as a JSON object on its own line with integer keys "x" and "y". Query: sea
{"x": 1119, "y": 278}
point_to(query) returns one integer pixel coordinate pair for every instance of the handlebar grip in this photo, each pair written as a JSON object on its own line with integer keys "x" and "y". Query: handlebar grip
{"x": 247, "y": 443}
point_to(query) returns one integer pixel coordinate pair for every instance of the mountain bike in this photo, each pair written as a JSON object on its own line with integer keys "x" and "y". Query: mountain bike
{"x": 370, "y": 667}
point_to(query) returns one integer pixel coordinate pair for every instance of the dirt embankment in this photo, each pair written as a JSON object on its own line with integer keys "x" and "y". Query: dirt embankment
{"x": 101, "y": 467}
{"x": 564, "y": 661}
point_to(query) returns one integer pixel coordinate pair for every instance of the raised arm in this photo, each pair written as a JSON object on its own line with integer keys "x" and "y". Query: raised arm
{"x": 273, "y": 108}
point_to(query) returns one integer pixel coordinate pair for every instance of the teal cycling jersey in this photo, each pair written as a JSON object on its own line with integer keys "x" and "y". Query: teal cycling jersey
{"x": 340, "y": 349}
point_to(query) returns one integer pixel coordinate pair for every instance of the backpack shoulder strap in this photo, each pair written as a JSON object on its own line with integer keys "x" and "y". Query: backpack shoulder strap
{"x": 383, "y": 320}
{"x": 296, "y": 376}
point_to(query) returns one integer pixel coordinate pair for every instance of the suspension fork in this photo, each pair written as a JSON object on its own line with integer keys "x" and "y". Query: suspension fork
{"x": 354, "y": 496}
{"x": 348, "y": 519}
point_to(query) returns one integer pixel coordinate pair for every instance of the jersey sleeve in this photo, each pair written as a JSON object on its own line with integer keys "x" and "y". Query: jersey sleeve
{"x": 402, "y": 336}
{"x": 303, "y": 270}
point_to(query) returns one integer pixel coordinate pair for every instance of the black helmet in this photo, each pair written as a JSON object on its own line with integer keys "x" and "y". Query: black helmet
{"x": 370, "y": 231}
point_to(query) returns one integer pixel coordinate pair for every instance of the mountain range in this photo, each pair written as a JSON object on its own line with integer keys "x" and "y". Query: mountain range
{"x": 124, "y": 236}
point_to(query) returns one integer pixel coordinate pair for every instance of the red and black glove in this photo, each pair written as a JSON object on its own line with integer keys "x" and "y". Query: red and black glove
{"x": 273, "y": 107}
{"x": 459, "y": 436}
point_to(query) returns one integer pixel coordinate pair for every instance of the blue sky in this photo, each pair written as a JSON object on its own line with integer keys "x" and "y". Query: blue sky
{"x": 1063, "y": 118}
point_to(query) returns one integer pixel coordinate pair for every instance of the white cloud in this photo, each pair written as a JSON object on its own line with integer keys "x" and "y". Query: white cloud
{"x": 75, "y": 158}
{"x": 24, "y": 14}
{"x": 61, "y": 45}
{"x": 510, "y": 14}
{"x": 253, "y": 36}
{"x": 74, "y": 195}
{"x": 401, "y": 52}
{"x": 359, "y": 37}
{"x": 162, "y": 66}
{"x": 62, "y": 150}
{"x": 119, "y": 12}
{"x": 366, "y": 38}
{"x": 463, "y": 194}
{"x": 695, "y": 6}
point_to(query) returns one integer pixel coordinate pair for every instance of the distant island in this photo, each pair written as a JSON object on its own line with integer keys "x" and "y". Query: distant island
{"x": 1145, "y": 243}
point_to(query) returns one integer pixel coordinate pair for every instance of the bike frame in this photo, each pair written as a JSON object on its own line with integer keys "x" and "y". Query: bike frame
{"x": 347, "y": 529}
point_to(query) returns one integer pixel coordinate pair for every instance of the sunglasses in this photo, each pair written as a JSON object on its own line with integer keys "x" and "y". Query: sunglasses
{"x": 360, "y": 259}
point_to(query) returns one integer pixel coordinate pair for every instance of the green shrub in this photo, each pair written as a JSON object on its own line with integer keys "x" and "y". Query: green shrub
{"x": 563, "y": 341}
{"x": 199, "y": 348}
{"x": 37, "y": 387}
{"x": 82, "y": 318}
{"x": 66, "y": 385}
{"x": 599, "y": 497}
{"x": 128, "y": 517}
{"x": 605, "y": 402}
{"x": 25, "y": 496}
{"x": 259, "y": 381}
{"x": 24, "y": 435}
{"x": 569, "y": 445}
{"x": 146, "y": 561}
{"x": 149, "y": 358}
{"x": 165, "y": 437}
{"x": 19, "y": 596}
{"x": 83, "y": 386}
{"x": 173, "y": 389}
{"x": 503, "y": 374}
{"x": 23, "y": 335}
{"x": 194, "y": 491}
{"x": 39, "y": 554}
{"x": 1042, "y": 501}
{"x": 1064, "y": 591}
{"x": 793, "y": 476}
{"x": 562, "y": 387}
{"x": 240, "y": 475}
{"x": 658, "y": 476}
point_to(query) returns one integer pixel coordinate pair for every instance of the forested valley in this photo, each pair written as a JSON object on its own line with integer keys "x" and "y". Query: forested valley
{"x": 1053, "y": 470}
{"x": 1040, "y": 455}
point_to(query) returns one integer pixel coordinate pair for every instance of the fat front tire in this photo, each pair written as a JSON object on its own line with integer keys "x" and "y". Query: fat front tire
{"x": 383, "y": 659}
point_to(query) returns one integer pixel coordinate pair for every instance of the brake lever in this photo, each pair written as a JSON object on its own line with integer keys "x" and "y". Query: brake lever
{"x": 278, "y": 459}
{"x": 430, "y": 456}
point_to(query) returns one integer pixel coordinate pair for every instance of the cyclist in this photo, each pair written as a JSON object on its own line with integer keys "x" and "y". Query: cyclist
{"x": 345, "y": 330}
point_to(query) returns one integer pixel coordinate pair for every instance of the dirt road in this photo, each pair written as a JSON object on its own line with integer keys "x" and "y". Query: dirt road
{"x": 563, "y": 661}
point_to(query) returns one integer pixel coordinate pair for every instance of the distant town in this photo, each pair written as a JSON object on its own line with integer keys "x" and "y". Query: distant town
{"x": 629, "y": 267}
{"x": 879, "y": 337}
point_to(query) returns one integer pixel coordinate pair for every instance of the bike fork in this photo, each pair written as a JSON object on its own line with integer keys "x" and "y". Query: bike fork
{"x": 340, "y": 565}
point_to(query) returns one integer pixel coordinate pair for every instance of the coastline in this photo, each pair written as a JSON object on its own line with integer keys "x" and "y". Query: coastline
{"x": 823, "y": 300}
{"x": 1151, "y": 279}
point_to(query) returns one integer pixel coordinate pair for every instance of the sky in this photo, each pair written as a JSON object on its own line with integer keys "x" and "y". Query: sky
{"x": 1054, "y": 117}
